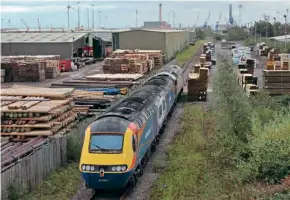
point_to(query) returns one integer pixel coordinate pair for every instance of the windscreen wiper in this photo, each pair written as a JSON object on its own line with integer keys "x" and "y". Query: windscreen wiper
{"x": 99, "y": 147}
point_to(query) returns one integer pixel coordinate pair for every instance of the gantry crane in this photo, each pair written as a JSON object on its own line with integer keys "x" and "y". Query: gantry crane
{"x": 27, "y": 27}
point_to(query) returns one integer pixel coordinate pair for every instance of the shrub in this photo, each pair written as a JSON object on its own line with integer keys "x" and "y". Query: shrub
{"x": 270, "y": 150}
{"x": 74, "y": 147}
{"x": 232, "y": 114}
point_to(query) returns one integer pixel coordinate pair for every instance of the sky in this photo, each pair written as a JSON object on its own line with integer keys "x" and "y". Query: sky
{"x": 119, "y": 14}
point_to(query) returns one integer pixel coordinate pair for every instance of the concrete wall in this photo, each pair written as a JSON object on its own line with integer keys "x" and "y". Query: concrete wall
{"x": 62, "y": 49}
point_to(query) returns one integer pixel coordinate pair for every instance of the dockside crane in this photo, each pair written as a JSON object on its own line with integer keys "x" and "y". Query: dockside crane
{"x": 217, "y": 23}
{"x": 27, "y": 27}
{"x": 38, "y": 23}
{"x": 206, "y": 22}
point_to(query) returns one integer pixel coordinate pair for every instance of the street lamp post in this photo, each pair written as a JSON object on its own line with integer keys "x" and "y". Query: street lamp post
{"x": 255, "y": 32}
{"x": 266, "y": 29}
{"x": 260, "y": 30}
{"x": 275, "y": 26}
{"x": 285, "y": 31}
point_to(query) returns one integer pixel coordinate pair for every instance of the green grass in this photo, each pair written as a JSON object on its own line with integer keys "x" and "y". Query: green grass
{"x": 185, "y": 163}
{"x": 185, "y": 55}
{"x": 192, "y": 170}
{"x": 59, "y": 185}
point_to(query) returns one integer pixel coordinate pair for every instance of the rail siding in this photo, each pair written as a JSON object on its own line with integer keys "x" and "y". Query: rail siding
{"x": 28, "y": 172}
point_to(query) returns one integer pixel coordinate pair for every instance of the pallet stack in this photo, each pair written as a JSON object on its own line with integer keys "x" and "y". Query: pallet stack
{"x": 125, "y": 65}
{"x": 2, "y": 75}
{"x": 276, "y": 82}
{"x": 155, "y": 55}
{"x": 197, "y": 84}
{"x": 192, "y": 87}
{"x": 51, "y": 64}
{"x": 30, "y": 111}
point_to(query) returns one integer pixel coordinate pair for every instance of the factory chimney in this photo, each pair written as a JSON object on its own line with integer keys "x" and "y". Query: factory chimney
{"x": 160, "y": 12}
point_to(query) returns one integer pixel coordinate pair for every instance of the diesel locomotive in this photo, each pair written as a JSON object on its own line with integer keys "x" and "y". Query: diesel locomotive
{"x": 118, "y": 144}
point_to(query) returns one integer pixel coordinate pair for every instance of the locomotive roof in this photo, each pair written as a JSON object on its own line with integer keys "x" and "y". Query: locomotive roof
{"x": 131, "y": 107}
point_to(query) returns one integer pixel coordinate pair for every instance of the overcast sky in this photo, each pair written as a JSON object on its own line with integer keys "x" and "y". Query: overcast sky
{"x": 119, "y": 14}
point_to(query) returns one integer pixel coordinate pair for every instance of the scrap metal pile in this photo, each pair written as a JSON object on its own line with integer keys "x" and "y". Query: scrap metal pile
{"x": 31, "y": 111}
{"x": 30, "y": 68}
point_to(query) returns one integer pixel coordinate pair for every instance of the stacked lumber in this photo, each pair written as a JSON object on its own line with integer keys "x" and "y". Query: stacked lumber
{"x": 155, "y": 55}
{"x": 35, "y": 111}
{"x": 251, "y": 90}
{"x": 276, "y": 82}
{"x": 250, "y": 66}
{"x": 2, "y": 75}
{"x": 24, "y": 71}
{"x": 51, "y": 63}
{"x": 125, "y": 65}
{"x": 13, "y": 151}
{"x": 197, "y": 85}
{"x": 114, "y": 77}
{"x": 192, "y": 86}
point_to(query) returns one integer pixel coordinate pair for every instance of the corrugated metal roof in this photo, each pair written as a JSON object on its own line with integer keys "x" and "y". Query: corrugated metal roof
{"x": 40, "y": 37}
{"x": 153, "y": 30}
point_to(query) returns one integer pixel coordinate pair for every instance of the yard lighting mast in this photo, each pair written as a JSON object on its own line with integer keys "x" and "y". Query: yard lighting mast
{"x": 285, "y": 16}
{"x": 275, "y": 26}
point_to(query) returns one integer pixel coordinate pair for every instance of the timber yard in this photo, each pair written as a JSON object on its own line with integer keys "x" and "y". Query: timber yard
{"x": 158, "y": 111}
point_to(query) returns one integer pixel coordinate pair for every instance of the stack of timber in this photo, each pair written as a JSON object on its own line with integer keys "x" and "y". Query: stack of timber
{"x": 97, "y": 81}
{"x": 248, "y": 82}
{"x": 197, "y": 84}
{"x": 51, "y": 63}
{"x": 23, "y": 71}
{"x": 250, "y": 66}
{"x": 276, "y": 82}
{"x": 30, "y": 111}
{"x": 2, "y": 75}
{"x": 87, "y": 101}
{"x": 155, "y": 55}
{"x": 133, "y": 64}
{"x": 11, "y": 152}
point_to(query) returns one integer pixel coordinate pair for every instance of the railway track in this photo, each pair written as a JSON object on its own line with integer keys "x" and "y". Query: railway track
{"x": 110, "y": 196}
{"x": 123, "y": 194}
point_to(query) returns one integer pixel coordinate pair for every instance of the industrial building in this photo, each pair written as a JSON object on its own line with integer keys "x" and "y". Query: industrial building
{"x": 169, "y": 41}
{"x": 63, "y": 44}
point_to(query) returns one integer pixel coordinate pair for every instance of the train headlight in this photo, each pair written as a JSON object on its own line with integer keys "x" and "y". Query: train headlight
{"x": 83, "y": 167}
{"x": 123, "y": 168}
{"x": 113, "y": 168}
{"x": 88, "y": 168}
{"x": 92, "y": 168}
{"x": 119, "y": 168}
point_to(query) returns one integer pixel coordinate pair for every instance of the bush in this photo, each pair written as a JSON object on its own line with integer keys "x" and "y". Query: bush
{"x": 270, "y": 150}
{"x": 74, "y": 148}
{"x": 232, "y": 114}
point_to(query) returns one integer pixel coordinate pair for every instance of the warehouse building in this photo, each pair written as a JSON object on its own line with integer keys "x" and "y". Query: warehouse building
{"x": 169, "y": 41}
{"x": 63, "y": 44}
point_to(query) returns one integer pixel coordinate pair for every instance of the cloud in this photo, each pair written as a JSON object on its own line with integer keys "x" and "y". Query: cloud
{"x": 21, "y": 9}
{"x": 17, "y": 9}
{"x": 201, "y": 10}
